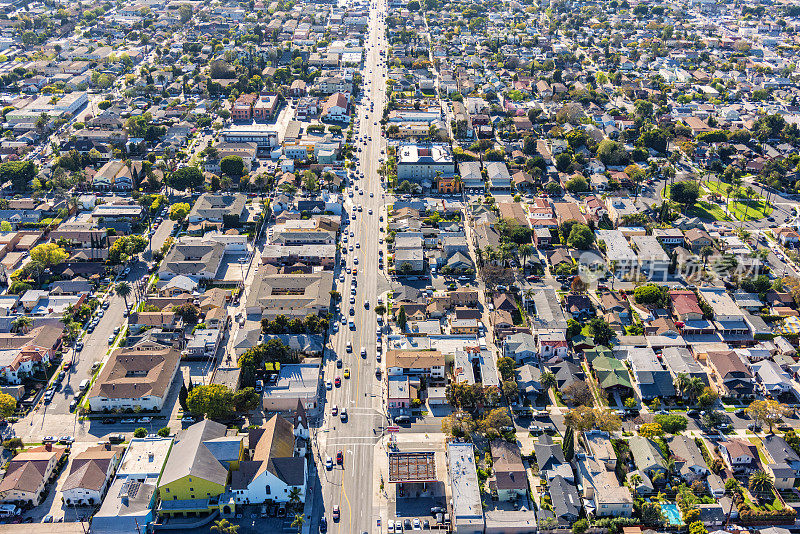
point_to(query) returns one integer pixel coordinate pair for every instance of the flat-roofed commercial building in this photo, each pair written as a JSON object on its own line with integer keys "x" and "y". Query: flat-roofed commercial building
{"x": 467, "y": 509}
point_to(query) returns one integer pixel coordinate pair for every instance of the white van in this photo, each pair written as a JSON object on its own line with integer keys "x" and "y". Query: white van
{"x": 84, "y": 385}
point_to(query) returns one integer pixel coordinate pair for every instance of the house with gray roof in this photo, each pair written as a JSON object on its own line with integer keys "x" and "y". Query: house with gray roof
{"x": 652, "y": 379}
{"x": 566, "y": 501}
{"x": 653, "y": 261}
{"x": 680, "y": 360}
{"x": 219, "y": 208}
{"x": 646, "y": 455}
{"x": 771, "y": 379}
{"x": 550, "y": 459}
{"x": 783, "y": 461}
{"x": 529, "y": 380}
{"x": 197, "y": 258}
{"x": 202, "y": 457}
{"x": 520, "y": 346}
{"x": 602, "y": 493}
{"x": 688, "y": 459}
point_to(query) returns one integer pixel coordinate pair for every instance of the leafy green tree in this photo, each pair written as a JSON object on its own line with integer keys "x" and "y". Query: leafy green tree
{"x": 760, "y": 484}
{"x": 580, "y": 526}
{"x": 123, "y": 290}
{"x": 601, "y": 331}
{"x": 506, "y": 367}
{"x": 580, "y": 237}
{"x": 401, "y": 319}
{"x": 7, "y": 405}
{"x": 179, "y": 211}
{"x": 214, "y": 401}
{"x": 232, "y": 166}
{"x": 246, "y": 399}
{"x": 223, "y": 526}
{"x": 13, "y": 444}
{"x": 548, "y": 380}
{"x": 140, "y": 432}
{"x": 650, "y": 294}
{"x": 684, "y": 193}
{"x": 651, "y": 514}
{"x": 19, "y": 173}
{"x": 577, "y": 184}
{"x": 671, "y": 423}
{"x": 187, "y": 178}
{"x": 188, "y": 312}
{"x": 611, "y": 152}
{"x": 164, "y": 432}
{"x": 183, "y": 394}
{"x": 48, "y": 255}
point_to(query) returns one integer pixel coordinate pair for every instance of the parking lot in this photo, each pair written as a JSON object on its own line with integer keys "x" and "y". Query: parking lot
{"x": 415, "y": 513}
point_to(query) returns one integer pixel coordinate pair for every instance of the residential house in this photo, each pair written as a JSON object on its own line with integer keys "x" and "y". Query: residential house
{"x": 730, "y": 376}
{"x": 652, "y": 379}
{"x": 197, "y": 468}
{"x": 602, "y": 493}
{"x": 566, "y": 502}
{"x": 510, "y": 475}
{"x": 688, "y": 459}
{"x": 27, "y": 474}
{"x": 739, "y": 456}
{"x": 646, "y": 455}
{"x": 429, "y": 363}
{"x": 550, "y": 459}
{"x": 696, "y": 239}
{"x": 783, "y": 463}
{"x": 290, "y": 295}
{"x": 90, "y": 474}
{"x": 138, "y": 376}
{"x": 275, "y": 471}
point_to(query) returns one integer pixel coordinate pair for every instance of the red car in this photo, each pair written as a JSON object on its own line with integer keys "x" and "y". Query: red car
{"x": 339, "y": 458}
{"x": 337, "y": 381}
{"x": 336, "y": 513}
{"x": 67, "y": 365}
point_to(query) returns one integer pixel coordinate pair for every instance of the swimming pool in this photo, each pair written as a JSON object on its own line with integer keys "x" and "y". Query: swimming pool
{"x": 672, "y": 514}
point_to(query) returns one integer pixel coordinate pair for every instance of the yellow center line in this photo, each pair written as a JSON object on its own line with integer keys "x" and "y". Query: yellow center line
{"x": 364, "y": 229}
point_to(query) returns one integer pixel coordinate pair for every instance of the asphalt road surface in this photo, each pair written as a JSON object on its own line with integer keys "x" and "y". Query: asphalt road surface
{"x": 55, "y": 418}
{"x": 352, "y": 487}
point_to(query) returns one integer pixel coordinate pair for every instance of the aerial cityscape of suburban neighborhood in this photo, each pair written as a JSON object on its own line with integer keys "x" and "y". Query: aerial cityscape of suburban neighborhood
{"x": 382, "y": 266}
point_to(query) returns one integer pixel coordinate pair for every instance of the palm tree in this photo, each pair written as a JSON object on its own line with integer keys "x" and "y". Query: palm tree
{"x": 680, "y": 382}
{"x": 669, "y": 465}
{"x": 524, "y": 252}
{"x": 750, "y": 193}
{"x": 123, "y": 290}
{"x": 705, "y": 252}
{"x": 760, "y": 484}
{"x": 694, "y": 388}
{"x": 223, "y": 526}
{"x": 21, "y": 323}
{"x": 635, "y": 480}
{"x": 299, "y": 520}
{"x": 548, "y": 380}
{"x": 294, "y": 496}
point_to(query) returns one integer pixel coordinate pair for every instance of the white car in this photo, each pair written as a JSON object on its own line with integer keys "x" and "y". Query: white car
{"x": 127, "y": 421}
{"x": 144, "y": 419}
{"x": 328, "y": 385}
{"x": 328, "y": 463}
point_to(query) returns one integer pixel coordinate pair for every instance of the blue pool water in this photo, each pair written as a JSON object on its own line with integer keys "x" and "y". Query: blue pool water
{"x": 672, "y": 514}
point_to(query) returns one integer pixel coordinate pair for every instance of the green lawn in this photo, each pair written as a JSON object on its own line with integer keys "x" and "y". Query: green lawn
{"x": 750, "y": 210}
{"x": 665, "y": 191}
{"x": 707, "y": 210}
{"x": 744, "y": 210}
